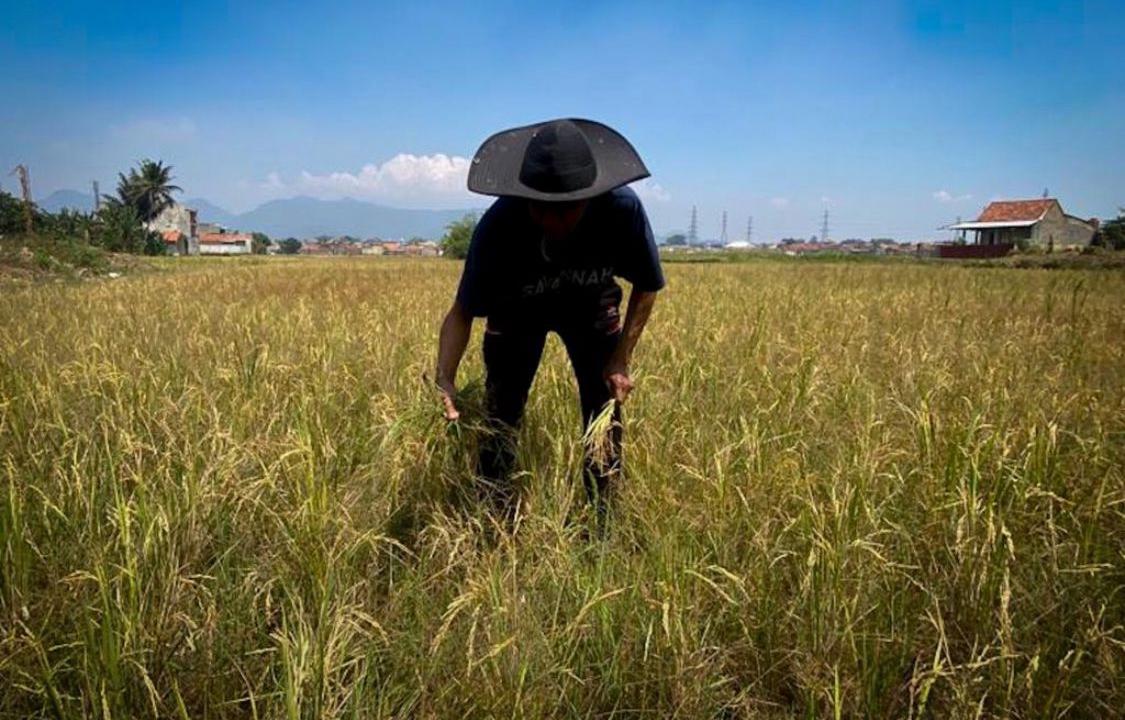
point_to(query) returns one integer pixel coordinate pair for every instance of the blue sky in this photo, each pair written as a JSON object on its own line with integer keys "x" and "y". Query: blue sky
{"x": 897, "y": 117}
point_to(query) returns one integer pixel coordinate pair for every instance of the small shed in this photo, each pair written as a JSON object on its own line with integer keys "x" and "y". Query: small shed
{"x": 226, "y": 243}
{"x": 1040, "y": 222}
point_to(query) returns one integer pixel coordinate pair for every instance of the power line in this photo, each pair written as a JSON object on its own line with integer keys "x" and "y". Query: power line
{"x": 749, "y": 229}
{"x": 723, "y": 237}
{"x": 693, "y": 229}
{"x": 824, "y": 227}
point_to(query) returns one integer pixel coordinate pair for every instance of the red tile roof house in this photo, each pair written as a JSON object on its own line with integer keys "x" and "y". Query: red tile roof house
{"x": 178, "y": 226}
{"x": 226, "y": 243}
{"x": 314, "y": 248}
{"x": 1007, "y": 223}
{"x": 175, "y": 241}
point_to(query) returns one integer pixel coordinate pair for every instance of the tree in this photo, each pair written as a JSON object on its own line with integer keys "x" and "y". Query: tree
{"x": 118, "y": 229}
{"x": 260, "y": 242}
{"x": 1112, "y": 232}
{"x": 13, "y": 218}
{"x": 289, "y": 246}
{"x": 147, "y": 189}
{"x": 458, "y": 234}
{"x": 677, "y": 239}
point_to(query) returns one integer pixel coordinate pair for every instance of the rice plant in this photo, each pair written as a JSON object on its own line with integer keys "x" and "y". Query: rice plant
{"x": 850, "y": 490}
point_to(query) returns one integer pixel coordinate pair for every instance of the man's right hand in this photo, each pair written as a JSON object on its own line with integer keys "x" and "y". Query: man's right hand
{"x": 454, "y": 336}
{"x": 448, "y": 393}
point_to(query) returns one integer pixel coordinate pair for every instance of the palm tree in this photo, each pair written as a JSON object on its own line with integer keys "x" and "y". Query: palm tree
{"x": 118, "y": 229}
{"x": 147, "y": 189}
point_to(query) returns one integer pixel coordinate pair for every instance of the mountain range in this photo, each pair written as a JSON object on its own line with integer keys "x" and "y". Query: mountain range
{"x": 303, "y": 217}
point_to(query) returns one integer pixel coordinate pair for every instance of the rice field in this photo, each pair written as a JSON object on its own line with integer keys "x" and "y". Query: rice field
{"x": 852, "y": 490}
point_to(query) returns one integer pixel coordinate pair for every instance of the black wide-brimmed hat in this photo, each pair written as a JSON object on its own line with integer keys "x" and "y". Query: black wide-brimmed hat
{"x": 556, "y": 160}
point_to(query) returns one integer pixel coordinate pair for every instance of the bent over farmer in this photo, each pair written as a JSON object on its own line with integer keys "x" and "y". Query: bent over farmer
{"x": 544, "y": 258}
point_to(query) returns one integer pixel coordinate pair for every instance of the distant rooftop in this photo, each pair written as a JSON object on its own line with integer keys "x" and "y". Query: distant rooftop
{"x": 1015, "y": 210}
{"x": 225, "y": 238}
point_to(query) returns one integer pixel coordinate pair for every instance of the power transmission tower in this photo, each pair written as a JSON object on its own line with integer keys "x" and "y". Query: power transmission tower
{"x": 824, "y": 227}
{"x": 693, "y": 229}
{"x": 97, "y": 198}
{"x": 749, "y": 229}
{"x": 25, "y": 188}
{"x": 723, "y": 237}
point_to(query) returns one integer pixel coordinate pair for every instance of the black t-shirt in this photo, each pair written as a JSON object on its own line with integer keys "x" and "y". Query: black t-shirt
{"x": 514, "y": 275}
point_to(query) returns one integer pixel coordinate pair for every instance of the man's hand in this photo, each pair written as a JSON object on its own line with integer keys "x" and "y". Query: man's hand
{"x": 616, "y": 371}
{"x": 617, "y": 378}
{"x": 448, "y": 394}
{"x": 455, "y": 330}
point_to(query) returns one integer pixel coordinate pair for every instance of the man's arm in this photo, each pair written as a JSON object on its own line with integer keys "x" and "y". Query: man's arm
{"x": 454, "y": 337}
{"x": 636, "y": 317}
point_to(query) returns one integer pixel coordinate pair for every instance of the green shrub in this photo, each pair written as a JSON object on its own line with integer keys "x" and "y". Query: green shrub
{"x": 458, "y": 235}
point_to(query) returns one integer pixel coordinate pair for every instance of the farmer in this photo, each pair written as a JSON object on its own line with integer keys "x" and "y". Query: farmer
{"x": 543, "y": 258}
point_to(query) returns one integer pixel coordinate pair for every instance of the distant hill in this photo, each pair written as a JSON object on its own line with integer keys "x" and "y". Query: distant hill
{"x": 212, "y": 213}
{"x": 307, "y": 217}
{"x": 302, "y": 217}
{"x": 70, "y": 199}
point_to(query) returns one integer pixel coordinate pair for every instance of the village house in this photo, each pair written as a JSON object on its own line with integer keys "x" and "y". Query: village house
{"x": 178, "y": 225}
{"x": 314, "y": 248}
{"x": 425, "y": 248}
{"x": 176, "y": 243}
{"x": 331, "y": 246}
{"x": 1005, "y": 224}
{"x": 206, "y": 228}
{"x": 226, "y": 243}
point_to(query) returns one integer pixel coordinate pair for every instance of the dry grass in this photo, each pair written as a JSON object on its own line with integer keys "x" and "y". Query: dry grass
{"x": 852, "y": 490}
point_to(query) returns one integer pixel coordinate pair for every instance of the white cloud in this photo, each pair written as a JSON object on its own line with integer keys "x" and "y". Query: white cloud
{"x": 156, "y": 130}
{"x": 409, "y": 179}
{"x": 944, "y": 196}
{"x": 779, "y": 202}
{"x": 273, "y": 182}
{"x": 648, "y": 190}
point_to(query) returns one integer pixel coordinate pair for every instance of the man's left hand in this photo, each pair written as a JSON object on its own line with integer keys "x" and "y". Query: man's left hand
{"x": 619, "y": 382}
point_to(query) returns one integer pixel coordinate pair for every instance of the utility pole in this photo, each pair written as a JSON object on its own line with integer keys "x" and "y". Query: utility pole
{"x": 97, "y": 198}
{"x": 25, "y": 187}
{"x": 693, "y": 229}
{"x": 723, "y": 237}
{"x": 749, "y": 229}
{"x": 824, "y": 227}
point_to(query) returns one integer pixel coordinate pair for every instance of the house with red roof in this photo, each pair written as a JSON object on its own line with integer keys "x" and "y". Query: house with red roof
{"x": 226, "y": 243}
{"x": 178, "y": 226}
{"x": 1004, "y": 224}
{"x": 175, "y": 242}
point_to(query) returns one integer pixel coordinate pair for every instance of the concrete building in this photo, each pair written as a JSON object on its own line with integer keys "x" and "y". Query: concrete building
{"x": 178, "y": 226}
{"x": 226, "y": 243}
{"x": 1005, "y": 224}
{"x": 176, "y": 243}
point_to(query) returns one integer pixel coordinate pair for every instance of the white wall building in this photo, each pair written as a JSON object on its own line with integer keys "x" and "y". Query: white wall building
{"x": 226, "y": 243}
{"x": 178, "y": 226}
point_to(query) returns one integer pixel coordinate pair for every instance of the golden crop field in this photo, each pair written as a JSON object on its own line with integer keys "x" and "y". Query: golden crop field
{"x": 852, "y": 490}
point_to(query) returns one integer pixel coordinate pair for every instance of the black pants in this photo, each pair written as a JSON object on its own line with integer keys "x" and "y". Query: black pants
{"x": 511, "y": 358}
